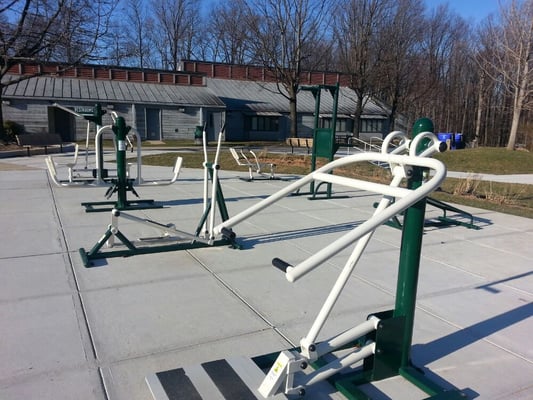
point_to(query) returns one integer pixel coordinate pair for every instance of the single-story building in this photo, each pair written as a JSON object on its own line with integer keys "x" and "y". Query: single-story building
{"x": 163, "y": 105}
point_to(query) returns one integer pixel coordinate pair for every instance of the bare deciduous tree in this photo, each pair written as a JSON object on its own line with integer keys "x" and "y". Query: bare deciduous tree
{"x": 39, "y": 31}
{"x": 173, "y": 32}
{"x": 357, "y": 28}
{"x": 137, "y": 39}
{"x": 283, "y": 35}
{"x": 510, "y": 60}
{"x": 228, "y": 36}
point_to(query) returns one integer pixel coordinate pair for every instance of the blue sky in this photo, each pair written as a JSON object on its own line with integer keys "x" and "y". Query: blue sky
{"x": 468, "y": 9}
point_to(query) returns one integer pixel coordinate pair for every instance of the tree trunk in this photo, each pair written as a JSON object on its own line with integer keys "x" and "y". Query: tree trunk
{"x": 518, "y": 104}
{"x": 2, "y": 131}
{"x": 357, "y": 116}
{"x": 479, "y": 110}
{"x": 514, "y": 127}
{"x": 293, "y": 115}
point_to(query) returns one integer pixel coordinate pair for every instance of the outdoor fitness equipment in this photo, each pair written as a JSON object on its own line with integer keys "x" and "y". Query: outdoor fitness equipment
{"x": 122, "y": 184}
{"x": 383, "y": 341}
{"x": 324, "y": 140}
{"x": 425, "y": 143}
{"x": 99, "y": 175}
{"x": 252, "y": 163}
{"x": 180, "y": 240}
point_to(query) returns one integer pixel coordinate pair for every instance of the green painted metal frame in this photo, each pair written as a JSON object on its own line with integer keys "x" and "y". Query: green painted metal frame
{"x": 451, "y": 221}
{"x": 121, "y": 185}
{"x": 393, "y": 336}
{"x": 324, "y": 143}
{"x": 131, "y": 250}
{"x": 95, "y": 252}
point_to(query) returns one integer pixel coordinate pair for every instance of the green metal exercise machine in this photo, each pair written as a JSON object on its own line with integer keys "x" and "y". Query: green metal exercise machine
{"x": 324, "y": 141}
{"x": 420, "y": 127}
{"x": 100, "y": 176}
{"x": 383, "y": 342}
{"x": 122, "y": 184}
{"x": 173, "y": 238}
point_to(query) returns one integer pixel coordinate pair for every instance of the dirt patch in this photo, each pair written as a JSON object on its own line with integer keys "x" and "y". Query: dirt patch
{"x": 10, "y": 147}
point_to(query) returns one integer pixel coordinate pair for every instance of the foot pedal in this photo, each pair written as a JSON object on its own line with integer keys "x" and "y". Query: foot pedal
{"x": 232, "y": 378}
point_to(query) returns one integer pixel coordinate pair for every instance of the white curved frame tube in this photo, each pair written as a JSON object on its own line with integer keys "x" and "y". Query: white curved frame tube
{"x": 341, "y": 281}
{"x": 440, "y": 173}
{"x": 98, "y": 149}
{"x": 214, "y": 188}
{"x": 406, "y": 200}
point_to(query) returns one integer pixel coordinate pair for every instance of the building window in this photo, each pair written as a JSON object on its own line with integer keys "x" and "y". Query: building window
{"x": 263, "y": 124}
{"x": 372, "y": 125}
{"x": 341, "y": 124}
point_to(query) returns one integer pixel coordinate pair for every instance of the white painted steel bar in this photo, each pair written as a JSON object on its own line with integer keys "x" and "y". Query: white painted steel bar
{"x": 335, "y": 366}
{"x": 236, "y": 219}
{"x": 163, "y": 228}
{"x": 206, "y": 179}
{"x": 214, "y": 187}
{"x": 388, "y": 139}
{"x": 434, "y": 148}
{"x": 98, "y": 151}
{"x": 340, "y": 162}
{"x": 139, "y": 180}
{"x": 68, "y": 110}
{"x": 387, "y": 190}
{"x": 294, "y": 273}
{"x": 345, "y": 274}
{"x": 87, "y": 137}
{"x": 347, "y": 336}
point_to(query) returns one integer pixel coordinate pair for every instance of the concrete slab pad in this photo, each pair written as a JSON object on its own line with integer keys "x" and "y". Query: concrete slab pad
{"x": 504, "y": 318}
{"x": 139, "y": 320}
{"x": 126, "y": 271}
{"x": 462, "y": 357}
{"x": 34, "y": 276}
{"x": 67, "y": 384}
{"x": 31, "y": 234}
{"x": 162, "y": 311}
{"x": 125, "y": 380}
{"x": 39, "y": 335}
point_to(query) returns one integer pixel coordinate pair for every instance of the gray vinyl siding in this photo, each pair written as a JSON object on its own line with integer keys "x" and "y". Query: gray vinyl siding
{"x": 181, "y": 107}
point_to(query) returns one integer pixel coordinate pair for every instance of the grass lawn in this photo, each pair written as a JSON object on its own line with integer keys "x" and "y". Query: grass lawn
{"x": 507, "y": 198}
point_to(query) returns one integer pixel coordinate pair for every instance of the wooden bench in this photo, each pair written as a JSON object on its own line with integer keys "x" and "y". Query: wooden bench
{"x": 44, "y": 140}
{"x": 300, "y": 142}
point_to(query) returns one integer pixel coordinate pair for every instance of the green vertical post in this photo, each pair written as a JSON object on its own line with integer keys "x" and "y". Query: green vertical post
{"x": 121, "y": 130}
{"x": 422, "y": 125}
{"x": 316, "y": 94}
{"x": 334, "y": 91}
{"x": 411, "y": 247}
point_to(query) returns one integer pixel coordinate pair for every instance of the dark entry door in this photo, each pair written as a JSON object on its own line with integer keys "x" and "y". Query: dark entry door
{"x": 62, "y": 123}
{"x": 153, "y": 124}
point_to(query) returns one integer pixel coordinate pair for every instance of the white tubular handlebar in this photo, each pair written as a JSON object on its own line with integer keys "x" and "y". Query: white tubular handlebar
{"x": 388, "y": 139}
{"x": 380, "y": 188}
{"x": 408, "y": 198}
{"x": 321, "y": 172}
{"x": 435, "y": 146}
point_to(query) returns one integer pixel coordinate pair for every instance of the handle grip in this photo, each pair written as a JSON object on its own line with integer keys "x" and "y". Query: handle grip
{"x": 280, "y": 264}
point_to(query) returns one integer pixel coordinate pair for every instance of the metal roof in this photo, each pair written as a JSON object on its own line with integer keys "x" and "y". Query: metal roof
{"x": 238, "y": 95}
{"x": 55, "y": 88}
{"x": 251, "y": 96}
